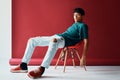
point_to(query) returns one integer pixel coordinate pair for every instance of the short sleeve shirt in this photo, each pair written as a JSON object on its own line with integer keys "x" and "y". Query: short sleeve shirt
{"x": 75, "y": 33}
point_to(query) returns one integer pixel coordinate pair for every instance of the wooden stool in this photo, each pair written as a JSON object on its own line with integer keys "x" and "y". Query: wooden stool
{"x": 71, "y": 50}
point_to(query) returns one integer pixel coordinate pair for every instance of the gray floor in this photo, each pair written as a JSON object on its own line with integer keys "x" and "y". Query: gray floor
{"x": 92, "y": 73}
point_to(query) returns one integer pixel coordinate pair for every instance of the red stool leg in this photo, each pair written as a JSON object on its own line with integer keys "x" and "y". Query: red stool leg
{"x": 62, "y": 52}
{"x": 72, "y": 55}
{"x": 66, "y": 52}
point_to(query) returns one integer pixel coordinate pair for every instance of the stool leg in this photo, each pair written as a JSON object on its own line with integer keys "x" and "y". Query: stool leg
{"x": 59, "y": 58}
{"x": 77, "y": 54}
{"x": 72, "y": 55}
{"x": 66, "y": 52}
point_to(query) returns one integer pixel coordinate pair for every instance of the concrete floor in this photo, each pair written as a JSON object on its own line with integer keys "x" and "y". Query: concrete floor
{"x": 77, "y": 73}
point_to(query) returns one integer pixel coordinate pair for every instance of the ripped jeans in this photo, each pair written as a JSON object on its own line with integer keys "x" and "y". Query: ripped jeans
{"x": 43, "y": 41}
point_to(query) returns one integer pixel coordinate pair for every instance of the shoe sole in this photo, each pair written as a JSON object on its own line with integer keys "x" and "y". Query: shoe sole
{"x": 32, "y": 76}
{"x": 20, "y": 71}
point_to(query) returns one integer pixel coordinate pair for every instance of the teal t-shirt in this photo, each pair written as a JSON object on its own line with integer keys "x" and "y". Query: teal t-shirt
{"x": 75, "y": 33}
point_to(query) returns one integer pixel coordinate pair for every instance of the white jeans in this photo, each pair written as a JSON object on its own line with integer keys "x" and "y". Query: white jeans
{"x": 43, "y": 41}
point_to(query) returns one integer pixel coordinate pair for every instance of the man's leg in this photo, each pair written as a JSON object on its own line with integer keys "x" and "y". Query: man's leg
{"x": 32, "y": 43}
{"x": 55, "y": 43}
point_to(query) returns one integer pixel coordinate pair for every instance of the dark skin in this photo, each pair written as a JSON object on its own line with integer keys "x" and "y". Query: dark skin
{"x": 79, "y": 18}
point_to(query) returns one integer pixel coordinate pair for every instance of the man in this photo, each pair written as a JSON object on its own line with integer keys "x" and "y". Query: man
{"x": 73, "y": 35}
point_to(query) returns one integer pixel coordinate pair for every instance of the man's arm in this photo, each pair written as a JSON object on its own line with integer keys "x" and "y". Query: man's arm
{"x": 84, "y": 53}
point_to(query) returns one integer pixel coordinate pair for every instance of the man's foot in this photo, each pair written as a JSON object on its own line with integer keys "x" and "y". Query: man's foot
{"x": 37, "y": 73}
{"x": 22, "y": 68}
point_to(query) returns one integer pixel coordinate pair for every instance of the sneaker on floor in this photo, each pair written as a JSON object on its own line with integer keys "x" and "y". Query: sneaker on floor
{"x": 37, "y": 73}
{"x": 18, "y": 70}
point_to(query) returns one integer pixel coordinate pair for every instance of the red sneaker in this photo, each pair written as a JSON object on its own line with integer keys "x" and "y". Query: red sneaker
{"x": 18, "y": 70}
{"x": 37, "y": 73}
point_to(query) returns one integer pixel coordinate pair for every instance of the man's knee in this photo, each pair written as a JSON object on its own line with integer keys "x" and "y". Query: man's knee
{"x": 54, "y": 40}
{"x": 30, "y": 40}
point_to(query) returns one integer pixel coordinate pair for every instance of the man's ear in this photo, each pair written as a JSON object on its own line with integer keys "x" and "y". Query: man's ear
{"x": 82, "y": 16}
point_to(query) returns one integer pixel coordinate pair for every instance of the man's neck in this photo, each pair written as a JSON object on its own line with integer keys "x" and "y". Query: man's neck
{"x": 78, "y": 21}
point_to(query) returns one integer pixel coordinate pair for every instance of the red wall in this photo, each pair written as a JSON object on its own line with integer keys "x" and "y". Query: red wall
{"x": 47, "y": 17}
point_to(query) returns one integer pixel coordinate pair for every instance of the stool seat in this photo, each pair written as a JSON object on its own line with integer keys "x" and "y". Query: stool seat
{"x": 71, "y": 50}
{"x": 76, "y": 45}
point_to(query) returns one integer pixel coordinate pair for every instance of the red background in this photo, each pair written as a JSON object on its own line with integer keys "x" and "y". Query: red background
{"x": 32, "y": 18}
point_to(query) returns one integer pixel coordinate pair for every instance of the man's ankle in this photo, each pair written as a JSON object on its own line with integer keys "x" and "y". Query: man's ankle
{"x": 23, "y": 66}
{"x": 43, "y": 67}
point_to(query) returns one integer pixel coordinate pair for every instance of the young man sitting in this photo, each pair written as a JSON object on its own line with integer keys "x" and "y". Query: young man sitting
{"x": 74, "y": 34}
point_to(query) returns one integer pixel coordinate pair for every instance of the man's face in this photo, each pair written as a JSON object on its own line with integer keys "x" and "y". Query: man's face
{"x": 77, "y": 17}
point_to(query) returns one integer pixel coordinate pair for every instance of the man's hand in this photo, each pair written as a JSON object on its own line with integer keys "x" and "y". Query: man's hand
{"x": 83, "y": 59}
{"x": 83, "y": 62}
